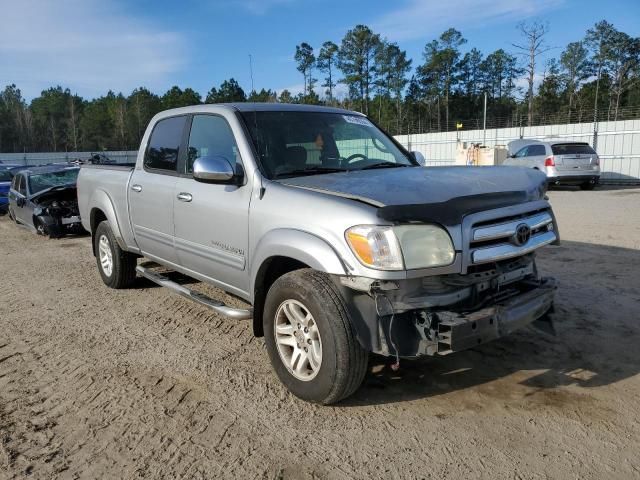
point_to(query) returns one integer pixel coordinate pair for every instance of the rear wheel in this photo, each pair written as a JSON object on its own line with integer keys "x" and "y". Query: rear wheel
{"x": 587, "y": 186}
{"x": 310, "y": 338}
{"x": 116, "y": 266}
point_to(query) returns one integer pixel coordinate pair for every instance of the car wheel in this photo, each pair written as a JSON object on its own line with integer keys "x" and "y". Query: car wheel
{"x": 310, "y": 338}
{"x": 116, "y": 266}
{"x": 587, "y": 186}
{"x": 41, "y": 228}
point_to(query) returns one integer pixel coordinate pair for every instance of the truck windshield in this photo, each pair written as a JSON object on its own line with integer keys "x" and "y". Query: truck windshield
{"x": 309, "y": 143}
{"x": 42, "y": 181}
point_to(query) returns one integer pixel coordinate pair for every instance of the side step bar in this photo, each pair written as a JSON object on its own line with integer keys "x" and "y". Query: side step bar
{"x": 219, "y": 307}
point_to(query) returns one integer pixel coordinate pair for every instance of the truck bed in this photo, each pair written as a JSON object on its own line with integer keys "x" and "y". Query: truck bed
{"x": 106, "y": 186}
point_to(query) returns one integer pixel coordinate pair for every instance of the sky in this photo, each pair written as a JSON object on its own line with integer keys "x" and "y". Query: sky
{"x": 91, "y": 46}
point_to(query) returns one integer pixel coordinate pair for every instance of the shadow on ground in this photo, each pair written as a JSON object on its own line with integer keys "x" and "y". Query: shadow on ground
{"x": 596, "y": 321}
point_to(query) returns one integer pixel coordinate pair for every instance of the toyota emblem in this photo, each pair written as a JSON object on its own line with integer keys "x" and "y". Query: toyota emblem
{"x": 522, "y": 235}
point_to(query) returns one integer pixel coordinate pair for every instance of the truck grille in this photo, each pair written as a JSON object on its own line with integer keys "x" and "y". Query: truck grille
{"x": 508, "y": 237}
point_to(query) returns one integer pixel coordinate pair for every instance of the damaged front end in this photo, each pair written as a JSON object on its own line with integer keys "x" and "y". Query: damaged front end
{"x": 491, "y": 289}
{"x": 57, "y": 213}
{"x": 438, "y": 315}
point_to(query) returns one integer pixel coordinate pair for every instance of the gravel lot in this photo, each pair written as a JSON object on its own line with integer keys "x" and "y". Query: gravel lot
{"x": 142, "y": 383}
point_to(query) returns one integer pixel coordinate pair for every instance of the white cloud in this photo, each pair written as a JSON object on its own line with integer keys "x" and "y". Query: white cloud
{"x": 422, "y": 18}
{"x": 89, "y": 46}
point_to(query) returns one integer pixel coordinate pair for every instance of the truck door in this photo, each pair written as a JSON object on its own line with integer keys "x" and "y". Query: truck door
{"x": 211, "y": 220}
{"x": 151, "y": 190}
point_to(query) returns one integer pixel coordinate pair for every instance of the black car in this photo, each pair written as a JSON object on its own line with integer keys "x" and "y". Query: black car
{"x": 44, "y": 199}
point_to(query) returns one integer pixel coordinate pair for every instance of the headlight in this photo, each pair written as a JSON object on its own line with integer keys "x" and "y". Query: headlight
{"x": 400, "y": 247}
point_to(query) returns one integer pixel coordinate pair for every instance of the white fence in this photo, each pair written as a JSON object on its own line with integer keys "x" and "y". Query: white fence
{"x": 618, "y": 144}
{"x": 59, "y": 157}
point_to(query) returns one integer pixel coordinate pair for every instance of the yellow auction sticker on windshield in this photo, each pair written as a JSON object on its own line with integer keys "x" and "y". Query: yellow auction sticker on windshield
{"x": 357, "y": 120}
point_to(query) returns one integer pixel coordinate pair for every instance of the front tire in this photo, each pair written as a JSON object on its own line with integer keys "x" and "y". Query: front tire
{"x": 116, "y": 266}
{"x": 310, "y": 338}
{"x": 41, "y": 228}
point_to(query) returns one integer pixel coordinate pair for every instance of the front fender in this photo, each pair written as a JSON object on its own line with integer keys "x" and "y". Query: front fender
{"x": 302, "y": 246}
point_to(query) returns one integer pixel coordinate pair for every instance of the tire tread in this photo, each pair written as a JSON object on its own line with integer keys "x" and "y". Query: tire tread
{"x": 124, "y": 263}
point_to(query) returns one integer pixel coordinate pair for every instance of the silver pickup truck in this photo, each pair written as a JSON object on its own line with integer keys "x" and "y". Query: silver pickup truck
{"x": 340, "y": 242}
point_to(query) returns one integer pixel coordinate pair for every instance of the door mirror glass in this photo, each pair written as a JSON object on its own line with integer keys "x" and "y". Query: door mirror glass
{"x": 213, "y": 169}
{"x": 419, "y": 158}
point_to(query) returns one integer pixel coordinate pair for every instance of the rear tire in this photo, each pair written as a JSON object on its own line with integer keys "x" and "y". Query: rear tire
{"x": 311, "y": 299}
{"x": 587, "y": 186}
{"x": 116, "y": 266}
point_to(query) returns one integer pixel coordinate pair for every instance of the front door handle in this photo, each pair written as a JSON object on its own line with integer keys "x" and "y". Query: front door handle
{"x": 136, "y": 188}
{"x": 185, "y": 197}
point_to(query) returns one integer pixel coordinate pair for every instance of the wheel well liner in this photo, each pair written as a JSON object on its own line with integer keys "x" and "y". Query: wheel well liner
{"x": 95, "y": 218}
{"x": 270, "y": 270}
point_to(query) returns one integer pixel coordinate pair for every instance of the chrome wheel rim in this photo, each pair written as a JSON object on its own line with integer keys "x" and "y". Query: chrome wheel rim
{"x": 106, "y": 257}
{"x": 298, "y": 340}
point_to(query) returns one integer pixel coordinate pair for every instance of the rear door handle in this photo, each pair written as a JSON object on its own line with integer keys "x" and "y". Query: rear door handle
{"x": 185, "y": 197}
{"x": 136, "y": 188}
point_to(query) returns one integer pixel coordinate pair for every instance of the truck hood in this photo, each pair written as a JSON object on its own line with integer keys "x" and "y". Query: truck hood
{"x": 439, "y": 194}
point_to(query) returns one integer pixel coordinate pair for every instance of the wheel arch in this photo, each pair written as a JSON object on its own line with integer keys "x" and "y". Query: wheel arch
{"x": 103, "y": 209}
{"x": 282, "y": 251}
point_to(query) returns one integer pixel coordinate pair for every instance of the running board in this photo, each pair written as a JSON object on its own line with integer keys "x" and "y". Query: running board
{"x": 215, "y": 305}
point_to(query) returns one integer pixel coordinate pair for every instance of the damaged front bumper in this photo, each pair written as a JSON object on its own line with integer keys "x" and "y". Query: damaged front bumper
{"x": 447, "y": 332}
{"x": 441, "y": 315}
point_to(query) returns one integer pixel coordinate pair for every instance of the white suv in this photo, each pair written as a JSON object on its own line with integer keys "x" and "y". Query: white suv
{"x": 564, "y": 162}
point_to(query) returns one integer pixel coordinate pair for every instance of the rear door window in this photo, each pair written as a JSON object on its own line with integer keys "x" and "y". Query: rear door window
{"x": 521, "y": 153}
{"x": 572, "y": 149}
{"x": 164, "y": 145}
{"x": 535, "y": 150}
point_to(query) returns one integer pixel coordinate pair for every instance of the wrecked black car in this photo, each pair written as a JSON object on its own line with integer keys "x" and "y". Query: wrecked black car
{"x": 44, "y": 199}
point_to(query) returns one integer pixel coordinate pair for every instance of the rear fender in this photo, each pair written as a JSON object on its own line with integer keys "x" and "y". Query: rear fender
{"x": 102, "y": 203}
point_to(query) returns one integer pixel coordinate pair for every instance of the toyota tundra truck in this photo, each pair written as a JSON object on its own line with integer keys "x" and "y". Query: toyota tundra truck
{"x": 338, "y": 239}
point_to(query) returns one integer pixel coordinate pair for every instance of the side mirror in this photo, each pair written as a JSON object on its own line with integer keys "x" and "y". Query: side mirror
{"x": 20, "y": 201}
{"x": 213, "y": 169}
{"x": 418, "y": 157}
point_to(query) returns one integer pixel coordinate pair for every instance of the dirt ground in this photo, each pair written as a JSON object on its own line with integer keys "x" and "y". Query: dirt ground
{"x": 97, "y": 383}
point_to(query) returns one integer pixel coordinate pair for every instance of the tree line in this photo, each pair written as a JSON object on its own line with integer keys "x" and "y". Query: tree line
{"x": 598, "y": 75}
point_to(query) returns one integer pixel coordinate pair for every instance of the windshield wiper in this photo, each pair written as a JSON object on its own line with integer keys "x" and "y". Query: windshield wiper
{"x": 383, "y": 165}
{"x": 310, "y": 171}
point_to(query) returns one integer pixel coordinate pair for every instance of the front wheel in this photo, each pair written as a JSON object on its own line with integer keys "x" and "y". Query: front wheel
{"x": 117, "y": 267}
{"x": 310, "y": 338}
{"x": 41, "y": 228}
